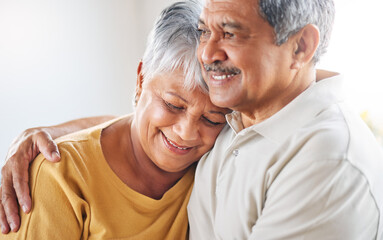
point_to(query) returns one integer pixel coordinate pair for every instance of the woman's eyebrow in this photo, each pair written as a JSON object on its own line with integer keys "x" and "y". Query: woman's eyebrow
{"x": 217, "y": 112}
{"x": 178, "y": 96}
{"x": 201, "y": 22}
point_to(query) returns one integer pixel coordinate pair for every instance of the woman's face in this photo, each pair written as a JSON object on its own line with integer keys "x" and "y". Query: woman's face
{"x": 174, "y": 126}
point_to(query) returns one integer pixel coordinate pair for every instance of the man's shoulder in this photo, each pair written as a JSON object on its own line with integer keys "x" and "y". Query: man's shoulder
{"x": 338, "y": 129}
{"x": 328, "y": 133}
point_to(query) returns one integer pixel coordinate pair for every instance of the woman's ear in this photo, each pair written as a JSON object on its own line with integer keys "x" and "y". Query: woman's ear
{"x": 306, "y": 44}
{"x": 140, "y": 80}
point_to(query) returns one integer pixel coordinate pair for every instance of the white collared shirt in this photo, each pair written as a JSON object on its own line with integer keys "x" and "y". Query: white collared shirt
{"x": 311, "y": 171}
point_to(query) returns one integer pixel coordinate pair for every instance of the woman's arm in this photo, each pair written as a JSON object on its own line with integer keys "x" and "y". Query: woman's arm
{"x": 14, "y": 179}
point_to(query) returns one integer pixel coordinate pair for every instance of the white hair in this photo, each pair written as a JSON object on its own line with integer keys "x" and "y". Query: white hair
{"x": 173, "y": 43}
{"x": 287, "y": 17}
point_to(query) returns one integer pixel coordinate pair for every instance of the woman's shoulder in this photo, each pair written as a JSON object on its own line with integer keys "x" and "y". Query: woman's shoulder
{"x": 80, "y": 157}
{"x": 89, "y": 133}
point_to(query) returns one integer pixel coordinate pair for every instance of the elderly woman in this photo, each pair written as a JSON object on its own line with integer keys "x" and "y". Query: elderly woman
{"x": 131, "y": 177}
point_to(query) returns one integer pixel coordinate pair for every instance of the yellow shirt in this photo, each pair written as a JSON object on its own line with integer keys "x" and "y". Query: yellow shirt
{"x": 81, "y": 198}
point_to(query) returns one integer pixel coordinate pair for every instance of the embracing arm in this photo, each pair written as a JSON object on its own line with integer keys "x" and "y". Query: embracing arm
{"x": 14, "y": 179}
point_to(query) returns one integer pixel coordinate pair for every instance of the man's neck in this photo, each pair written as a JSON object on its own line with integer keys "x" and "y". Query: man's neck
{"x": 263, "y": 111}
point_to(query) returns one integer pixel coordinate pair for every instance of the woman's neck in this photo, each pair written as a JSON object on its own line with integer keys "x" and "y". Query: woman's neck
{"x": 125, "y": 155}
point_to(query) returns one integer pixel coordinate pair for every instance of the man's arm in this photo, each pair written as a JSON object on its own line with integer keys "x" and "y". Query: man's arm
{"x": 14, "y": 179}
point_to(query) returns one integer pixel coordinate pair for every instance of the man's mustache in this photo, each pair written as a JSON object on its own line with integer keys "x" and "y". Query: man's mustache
{"x": 217, "y": 67}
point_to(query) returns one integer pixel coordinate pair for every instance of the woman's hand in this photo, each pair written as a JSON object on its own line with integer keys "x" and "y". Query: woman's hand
{"x": 14, "y": 187}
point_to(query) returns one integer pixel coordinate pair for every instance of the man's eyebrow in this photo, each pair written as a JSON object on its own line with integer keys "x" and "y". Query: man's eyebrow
{"x": 227, "y": 24}
{"x": 232, "y": 25}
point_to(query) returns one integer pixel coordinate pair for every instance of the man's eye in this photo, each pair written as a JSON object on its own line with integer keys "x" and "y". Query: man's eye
{"x": 228, "y": 35}
{"x": 201, "y": 31}
{"x": 204, "y": 32}
{"x": 173, "y": 107}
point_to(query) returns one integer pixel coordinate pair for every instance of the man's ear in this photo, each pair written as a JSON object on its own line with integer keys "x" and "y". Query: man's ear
{"x": 140, "y": 80}
{"x": 306, "y": 42}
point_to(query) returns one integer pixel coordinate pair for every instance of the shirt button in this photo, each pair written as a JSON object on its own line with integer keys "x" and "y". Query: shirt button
{"x": 236, "y": 152}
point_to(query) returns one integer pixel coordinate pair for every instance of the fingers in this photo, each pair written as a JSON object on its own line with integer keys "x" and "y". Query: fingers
{"x": 47, "y": 147}
{"x": 9, "y": 202}
{"x": 21, "y": 187}
{"x": 12, "y": 213}
{"x": 3, "y": 219}
{"x": 19, "y": 170}
{"x": 14, "y": 183}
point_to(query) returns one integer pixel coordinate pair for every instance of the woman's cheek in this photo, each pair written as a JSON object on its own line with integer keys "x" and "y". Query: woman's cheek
{"x": 210, "y": 134}
{"x": 160, "y": 114}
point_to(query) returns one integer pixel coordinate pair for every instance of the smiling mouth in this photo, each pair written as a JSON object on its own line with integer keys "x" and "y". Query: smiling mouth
{"x": 218, "y": 72}
{"x": 222, "y": 77}
{"x": 175, "y": 147}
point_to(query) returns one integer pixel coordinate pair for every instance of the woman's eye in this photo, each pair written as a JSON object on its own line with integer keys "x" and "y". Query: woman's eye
{"x": 211, "y": 122}
{"x": 173, "y": 107}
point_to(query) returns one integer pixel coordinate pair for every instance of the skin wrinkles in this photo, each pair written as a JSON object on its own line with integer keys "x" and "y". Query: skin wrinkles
{"x": 171, "y": 129}
{"x": 185, "y": 125}
{"x": 267, "y": 80}
{"x": 173, "y": 102}
{"x": 209, "y": 111}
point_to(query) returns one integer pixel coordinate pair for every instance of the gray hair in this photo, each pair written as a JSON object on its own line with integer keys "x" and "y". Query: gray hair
{"x": 173, "y": 43}
{"x": 287, "y": 17}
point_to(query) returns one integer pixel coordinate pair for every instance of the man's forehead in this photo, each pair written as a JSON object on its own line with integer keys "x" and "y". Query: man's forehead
{"x": 227, "y": 10}
{"x": 232, "y": 4}
{"x": 230, "y": 13}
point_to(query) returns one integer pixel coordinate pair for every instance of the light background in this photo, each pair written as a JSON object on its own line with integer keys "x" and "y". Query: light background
{"x": 65, "y": 59}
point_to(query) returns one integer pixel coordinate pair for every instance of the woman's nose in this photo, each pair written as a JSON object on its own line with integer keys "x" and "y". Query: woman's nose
{"x": 187, "y": 129}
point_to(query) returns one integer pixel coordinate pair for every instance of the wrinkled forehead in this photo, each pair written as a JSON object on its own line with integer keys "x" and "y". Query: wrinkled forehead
{"x": 228, "y": 11}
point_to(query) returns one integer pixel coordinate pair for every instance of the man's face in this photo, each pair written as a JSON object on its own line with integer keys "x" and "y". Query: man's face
{"x": 243, "y": 67}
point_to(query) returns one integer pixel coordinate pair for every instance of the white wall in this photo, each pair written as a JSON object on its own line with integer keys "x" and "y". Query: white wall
{"x": 356, "y": 50}
{"x": 65, "y": 59}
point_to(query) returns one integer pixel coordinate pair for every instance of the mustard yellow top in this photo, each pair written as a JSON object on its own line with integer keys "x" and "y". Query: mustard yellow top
{"x": 82, "y": 198}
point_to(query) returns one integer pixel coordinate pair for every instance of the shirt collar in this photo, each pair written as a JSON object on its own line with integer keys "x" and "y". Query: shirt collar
{"x": 297, "y": 113}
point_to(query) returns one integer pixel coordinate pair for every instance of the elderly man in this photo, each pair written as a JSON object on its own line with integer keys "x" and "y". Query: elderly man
{"x": 293, "y": 162}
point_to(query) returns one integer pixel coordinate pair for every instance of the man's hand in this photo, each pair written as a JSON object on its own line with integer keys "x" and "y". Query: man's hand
{"x": 14, "y": 183}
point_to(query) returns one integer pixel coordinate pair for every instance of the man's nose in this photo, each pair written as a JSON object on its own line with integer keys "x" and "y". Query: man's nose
{"x": 212, "y": 51}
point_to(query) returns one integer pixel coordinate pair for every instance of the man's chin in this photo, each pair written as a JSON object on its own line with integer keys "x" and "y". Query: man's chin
{"x": 221, "y": 99}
